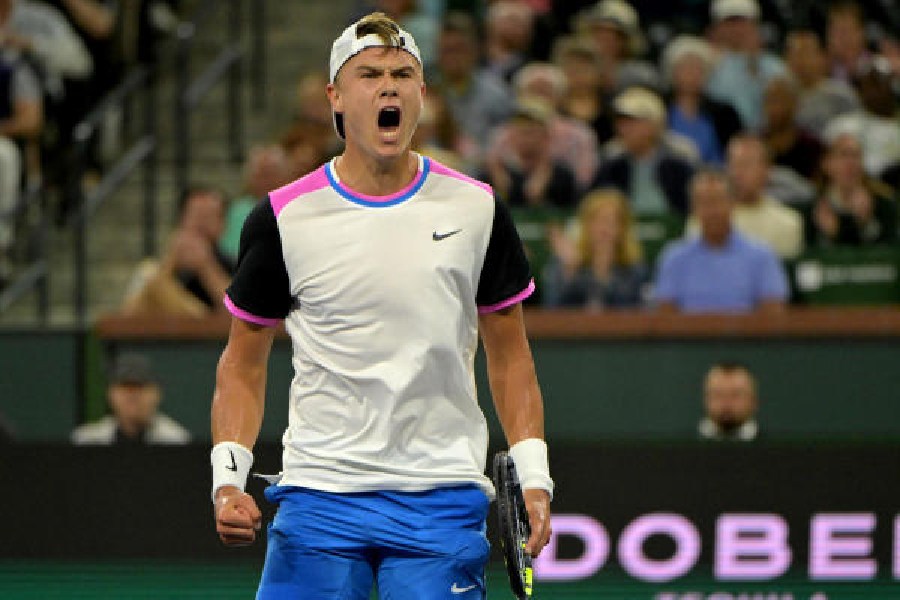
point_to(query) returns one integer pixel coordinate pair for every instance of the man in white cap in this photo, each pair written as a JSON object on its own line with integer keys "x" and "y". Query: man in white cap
{"x": 744, "y": 68}
{"x": 384, "y": 266}
{"x": 648, "y": 168}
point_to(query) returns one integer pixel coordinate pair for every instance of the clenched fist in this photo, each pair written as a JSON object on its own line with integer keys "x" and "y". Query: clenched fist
{"x": 237, "y": 517}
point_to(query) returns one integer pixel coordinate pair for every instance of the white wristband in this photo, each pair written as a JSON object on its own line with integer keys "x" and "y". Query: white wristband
{"x": 532, "y": 465}
{"x": 231, "y": 463}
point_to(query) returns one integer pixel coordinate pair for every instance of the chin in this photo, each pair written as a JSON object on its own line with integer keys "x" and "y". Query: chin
{"x": 391, "y": 151}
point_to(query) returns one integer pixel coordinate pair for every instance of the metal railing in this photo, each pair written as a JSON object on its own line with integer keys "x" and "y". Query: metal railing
{"x": 36, "y": 274}
{"x": 143, "y": 151}
{"x": 188, "y": 94}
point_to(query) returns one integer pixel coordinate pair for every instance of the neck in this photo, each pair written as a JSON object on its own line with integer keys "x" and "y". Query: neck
{"x": 750, "y": 198}
{"x": 716, "y": 240}
{"x": 783, "y": 137}
{"x": 810, "y": 81}
{"x": 688, "y": 101}
{"x": 131, "y": 429}
{"x": 643, "y": 153}
{"x": 373, "y": 176}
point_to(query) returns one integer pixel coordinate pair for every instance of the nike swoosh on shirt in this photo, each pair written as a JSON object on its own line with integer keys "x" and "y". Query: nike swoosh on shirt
{"x": 442, "y": 236}
{"x": 455, "y": 589}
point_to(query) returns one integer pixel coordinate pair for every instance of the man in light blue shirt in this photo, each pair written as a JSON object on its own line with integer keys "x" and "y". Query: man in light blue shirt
{"x": 744, "y": 69}
{"x": 719, "y": 271}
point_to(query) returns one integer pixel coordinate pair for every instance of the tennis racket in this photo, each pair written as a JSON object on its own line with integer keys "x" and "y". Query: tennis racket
{"x": 514, "y": 526}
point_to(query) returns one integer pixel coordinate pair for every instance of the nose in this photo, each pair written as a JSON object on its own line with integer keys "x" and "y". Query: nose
{"x": 388, "y": 92}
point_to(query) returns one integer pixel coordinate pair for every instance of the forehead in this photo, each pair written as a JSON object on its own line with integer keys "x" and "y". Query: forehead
{"x": 736, "y": 377}
{"x": 382, "y": 57}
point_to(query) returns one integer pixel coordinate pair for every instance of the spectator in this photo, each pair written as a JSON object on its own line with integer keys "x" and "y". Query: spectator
{"x": 648, "y": 171}
{"x": 585, "y": 97}
{"x": 757, "y": 215}
{"x": 478, "y": 100}
{"x": 744, "y": 67}
{"x": 267, "y": 168}
{"x": 510, "y": 31}
{"x": 572, "y": 143}
{"x": 133, "y": 395}
{"x": 42, "y": 32}
{"x": 191, "y": 277}
{"x": 788, "y": 145}
{"x": 312, "y": 120}
{"x": 528, "y": 175}
{"x": 730, "y": 404}
{"x": 720, "y": 270}
{"x": 21, "y": 121}
{"x": 603, "y": 267}
{"x": 306, "y": 148}
{"x": 852, "y": 208}
{"x": 821, "y": 97}
{"x": 411, "y": 16}
{"x": 613, "y": 27}
{"x": 687, "y": 62}
{"x": 97, "y": 23}
{"x": 437, "y": 135}
{"x": 846, "y": 39}
{"x": 875, "y": 125}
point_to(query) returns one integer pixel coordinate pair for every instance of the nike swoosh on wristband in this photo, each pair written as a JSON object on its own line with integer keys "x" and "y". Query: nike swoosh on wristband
{"x": 233, "y": 465}
{"x": 455, "y": 589}
{"x": 442, "y": 236}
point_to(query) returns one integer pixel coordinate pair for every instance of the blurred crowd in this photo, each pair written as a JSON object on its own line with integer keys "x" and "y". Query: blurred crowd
{"x": 680, "y": 155}
{"x": 57, "y": 60}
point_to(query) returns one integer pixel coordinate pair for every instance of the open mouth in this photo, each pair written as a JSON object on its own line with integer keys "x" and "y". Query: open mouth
{"x": 389, "y": 118}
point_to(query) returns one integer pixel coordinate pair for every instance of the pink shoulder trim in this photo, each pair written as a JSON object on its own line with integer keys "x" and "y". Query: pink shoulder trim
{"x": 305, "y": 185}
{"x": 440, "y": 169}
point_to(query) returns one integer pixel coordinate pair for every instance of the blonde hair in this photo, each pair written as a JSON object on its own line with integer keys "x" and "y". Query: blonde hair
{"x": 628, "y": 250}
{"x": 378, "y": 23}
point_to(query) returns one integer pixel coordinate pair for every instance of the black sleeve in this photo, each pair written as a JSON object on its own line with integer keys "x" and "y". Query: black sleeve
{"x": 260, "y": 289}
{"x": 505, "y": 273}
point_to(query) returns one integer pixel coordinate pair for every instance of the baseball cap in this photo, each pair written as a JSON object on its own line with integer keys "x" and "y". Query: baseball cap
{"x": 532, "y": 108}
{"x": 620, "y": 15}
{"x": 725, "y": 9}
{"x": 350, "y": 43}
{"x": 640, "y": 103}
{"x": 133, "y": 368}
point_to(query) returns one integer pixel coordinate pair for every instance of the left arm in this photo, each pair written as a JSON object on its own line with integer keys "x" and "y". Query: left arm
{"x": 517, "y": 398}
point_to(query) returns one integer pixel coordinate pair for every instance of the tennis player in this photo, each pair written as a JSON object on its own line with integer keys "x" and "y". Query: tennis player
{"x": 384, "y": 266}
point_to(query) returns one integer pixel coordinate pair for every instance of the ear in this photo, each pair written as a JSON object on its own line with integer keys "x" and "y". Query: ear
{"x": 334, "y": 96}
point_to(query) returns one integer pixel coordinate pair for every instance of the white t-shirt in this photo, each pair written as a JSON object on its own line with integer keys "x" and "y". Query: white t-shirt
{"x": 380, "y": 296}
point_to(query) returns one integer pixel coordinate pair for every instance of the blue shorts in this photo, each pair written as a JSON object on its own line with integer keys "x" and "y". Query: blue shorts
{"x": 411, "y": 545}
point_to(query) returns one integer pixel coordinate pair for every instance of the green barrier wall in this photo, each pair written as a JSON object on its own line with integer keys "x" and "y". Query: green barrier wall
{"x": 599, "y": 390}
{"x": 834, "y": 388}
{"x": 40, "y": 382}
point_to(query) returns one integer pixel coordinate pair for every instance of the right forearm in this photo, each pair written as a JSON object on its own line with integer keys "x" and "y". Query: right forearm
{"x": 238, "y": 402}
